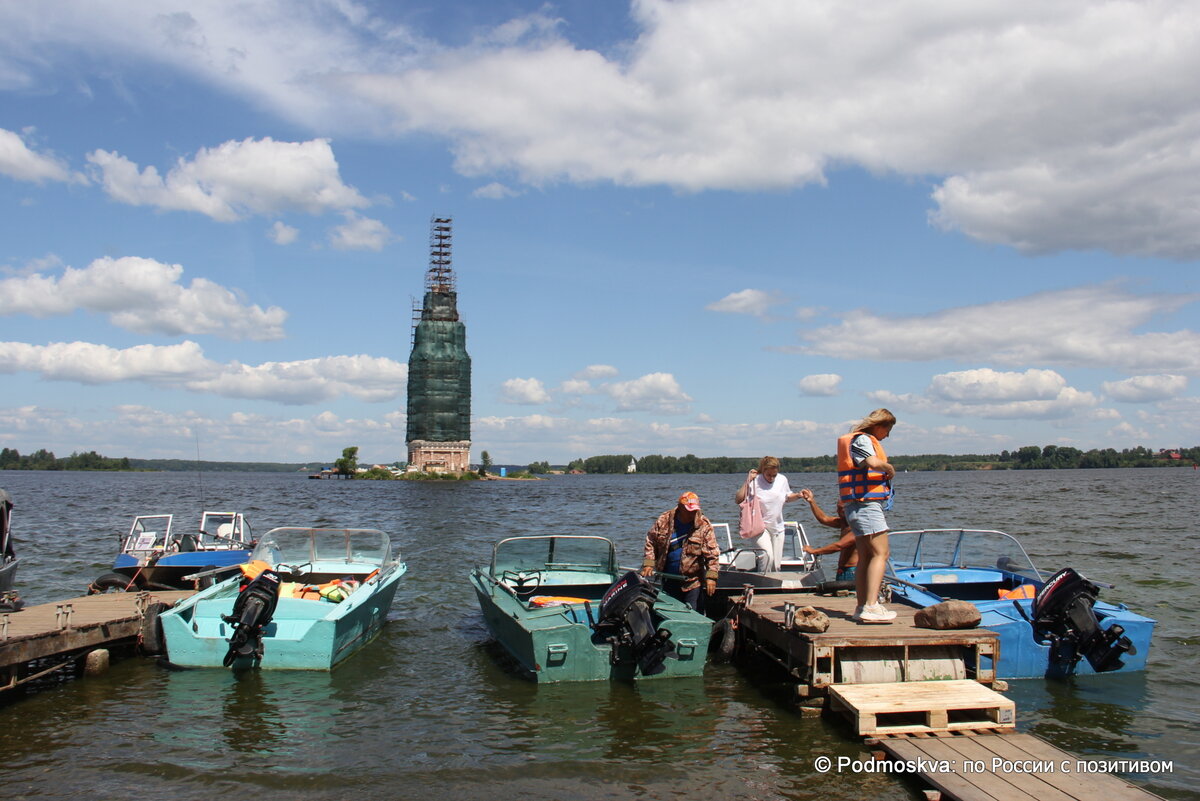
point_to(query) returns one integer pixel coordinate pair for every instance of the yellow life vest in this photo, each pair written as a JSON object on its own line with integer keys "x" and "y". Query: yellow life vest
{"x": 860, "y": 483}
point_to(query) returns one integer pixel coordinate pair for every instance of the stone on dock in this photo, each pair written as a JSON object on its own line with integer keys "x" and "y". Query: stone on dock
{"x": 948, "y": 615}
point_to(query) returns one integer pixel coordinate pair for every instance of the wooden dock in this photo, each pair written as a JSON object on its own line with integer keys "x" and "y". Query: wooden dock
{"x": 983, "y": 766}
{"x": 855, "y": 653}
{"x": 45, "y": 638}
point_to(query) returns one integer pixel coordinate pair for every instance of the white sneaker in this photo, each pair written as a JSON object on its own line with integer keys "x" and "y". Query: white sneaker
{"x": 876, "y": 613}
{"x": 857, "y": 616}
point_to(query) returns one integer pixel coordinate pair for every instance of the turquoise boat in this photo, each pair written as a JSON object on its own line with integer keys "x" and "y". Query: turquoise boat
{"x": 307, "y": 599}
{"x": 564, "y": 610}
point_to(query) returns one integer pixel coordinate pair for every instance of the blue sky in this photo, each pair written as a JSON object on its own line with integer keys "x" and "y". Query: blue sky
{"x": 688, "y": 226}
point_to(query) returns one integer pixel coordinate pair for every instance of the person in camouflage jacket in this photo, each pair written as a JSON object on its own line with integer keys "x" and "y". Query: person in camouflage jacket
{"x": 682, "y": 543}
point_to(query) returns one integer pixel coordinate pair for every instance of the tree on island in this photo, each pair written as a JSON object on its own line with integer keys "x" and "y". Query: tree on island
{"x": 485, "y": 462}
{"x": 539, "y": 468}
{"x": 348, "y": 464}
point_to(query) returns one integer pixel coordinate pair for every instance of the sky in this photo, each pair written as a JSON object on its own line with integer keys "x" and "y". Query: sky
{"x": 680, "y": 226}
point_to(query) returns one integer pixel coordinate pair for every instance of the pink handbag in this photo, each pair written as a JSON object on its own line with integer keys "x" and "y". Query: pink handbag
{"x": 751, "y": 524}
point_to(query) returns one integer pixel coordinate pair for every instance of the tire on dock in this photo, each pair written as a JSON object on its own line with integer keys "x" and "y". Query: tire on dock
{"x": 110, "y": 582}
{"x": 150, "y": 637}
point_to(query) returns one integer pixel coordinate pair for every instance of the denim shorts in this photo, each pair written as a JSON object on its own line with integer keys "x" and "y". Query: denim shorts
{"x": 865, "y": 518}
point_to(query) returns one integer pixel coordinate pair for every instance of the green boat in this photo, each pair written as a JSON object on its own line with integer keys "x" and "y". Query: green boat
{"x": 565, "y": 611}
{"x": 307, "y": 599}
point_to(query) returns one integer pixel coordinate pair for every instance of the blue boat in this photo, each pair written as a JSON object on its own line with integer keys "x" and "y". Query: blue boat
{"x": 1051, "y": 626}
{"x": 307, "y": 599}
{"x": 564, "y": 611}
{"x": 153, "y": 557}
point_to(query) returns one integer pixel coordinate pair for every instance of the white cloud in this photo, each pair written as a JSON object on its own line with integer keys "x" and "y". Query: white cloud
{"x": 184, "y": 366}
{"x": 1146, "y": 388}
{"x": 142, "y": 295}
{"x": 526, "y": 391}
{"x": 282, "y": 234}
{"x": 366, "y": 378}
{"x": 658, "y": 392}
{"x": 986, "y": 393}
{"x": 595, "y": 371}
{"x": 575, "y": 386}
{"x": 359, "y": 233}
{"x": 1034, "y": 119}
{"x": 754, "y": 302}
{"x": 88, "y": 363}
{"x": 988, "y": 386}
{"x": 821, "y": 384}
{"x": 495, "y": 191}
{"x": 235, "y": 179}
{"x": 144, "y": 432}
{"x": 1087, "y": 326}
{"x": 19, "y": 162}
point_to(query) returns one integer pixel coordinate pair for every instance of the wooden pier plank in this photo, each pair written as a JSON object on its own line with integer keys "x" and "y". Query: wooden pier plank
{"x": 957, "y": 784}
{"x": 1050, "y": 785}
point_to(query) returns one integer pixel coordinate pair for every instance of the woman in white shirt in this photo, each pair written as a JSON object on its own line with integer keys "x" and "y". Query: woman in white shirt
{"x": 772, "y": 491}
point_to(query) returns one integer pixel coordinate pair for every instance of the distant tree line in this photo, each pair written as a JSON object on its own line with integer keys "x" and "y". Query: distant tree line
{"x": 11, "y": 459}
{"x": 1030, "y": 457}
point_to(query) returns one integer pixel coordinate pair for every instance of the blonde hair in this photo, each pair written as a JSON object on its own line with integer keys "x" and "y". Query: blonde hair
{"x": 767, "y": 461}
{"x": 875, "y": 418}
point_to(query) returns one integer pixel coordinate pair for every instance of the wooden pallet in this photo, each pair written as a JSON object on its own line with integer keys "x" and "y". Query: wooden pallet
{"x": 921, "y": 706}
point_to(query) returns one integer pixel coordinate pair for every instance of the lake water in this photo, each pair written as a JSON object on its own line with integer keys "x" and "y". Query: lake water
{"x": 427, "y": 711}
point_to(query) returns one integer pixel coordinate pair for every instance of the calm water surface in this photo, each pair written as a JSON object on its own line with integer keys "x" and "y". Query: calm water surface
{"x": 429, "y": 712}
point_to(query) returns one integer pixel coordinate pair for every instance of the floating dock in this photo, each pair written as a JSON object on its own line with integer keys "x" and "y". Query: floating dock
{"x": 42, "y": 639}
{"x": 856, "y": 653}
{"x": 923, "y": 697}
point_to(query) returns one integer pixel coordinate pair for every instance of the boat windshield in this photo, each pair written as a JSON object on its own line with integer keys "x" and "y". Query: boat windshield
{"x": 961, "y": 548}
{"x": 148, "y": 533}
{"x": 565, "y": 552}
{"x": 316, "y": 546}
{"x": 224, "y": 530}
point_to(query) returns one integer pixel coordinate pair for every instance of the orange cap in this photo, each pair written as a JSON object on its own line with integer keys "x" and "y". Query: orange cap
{"x": 690, "y": 501}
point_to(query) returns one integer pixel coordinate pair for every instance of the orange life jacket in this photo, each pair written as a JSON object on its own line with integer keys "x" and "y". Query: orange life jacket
{"x": 250, "y": 570}
{"x": 860, "y": 483}
{"x": 555, "y": 600}
{"x": 1024, "y": 591}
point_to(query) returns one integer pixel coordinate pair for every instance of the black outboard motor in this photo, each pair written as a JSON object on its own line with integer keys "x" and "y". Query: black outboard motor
{"x": 1063, "y": 617}
{"x": 252, "y": 611}
{"x": 627, "y": 623}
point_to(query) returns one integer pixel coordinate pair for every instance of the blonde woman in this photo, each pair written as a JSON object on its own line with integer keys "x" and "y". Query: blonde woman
{"x": 772, "y": 491}
{"x": 865, "y": 485}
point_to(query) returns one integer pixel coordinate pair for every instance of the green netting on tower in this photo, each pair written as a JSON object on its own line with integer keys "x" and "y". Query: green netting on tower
{"x": 439, "y": 369}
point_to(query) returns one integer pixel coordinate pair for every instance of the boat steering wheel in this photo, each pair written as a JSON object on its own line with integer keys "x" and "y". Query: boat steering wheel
{"x": 295, "y": 570}
{"x": 522, "y": 582}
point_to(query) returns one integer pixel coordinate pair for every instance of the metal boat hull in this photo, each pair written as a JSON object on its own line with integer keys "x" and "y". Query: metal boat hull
{"x": 303, "y": 635}
{"x": 556, "y": 644}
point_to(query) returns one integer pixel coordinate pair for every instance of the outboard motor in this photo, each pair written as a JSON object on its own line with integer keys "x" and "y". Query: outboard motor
{"x": 1063, "y": 617}
{"x": 252, "y": 611}
{"x": 627, "y": 623}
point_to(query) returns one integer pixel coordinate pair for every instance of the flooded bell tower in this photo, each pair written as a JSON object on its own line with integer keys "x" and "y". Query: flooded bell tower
{"x": 439, "y": 369}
